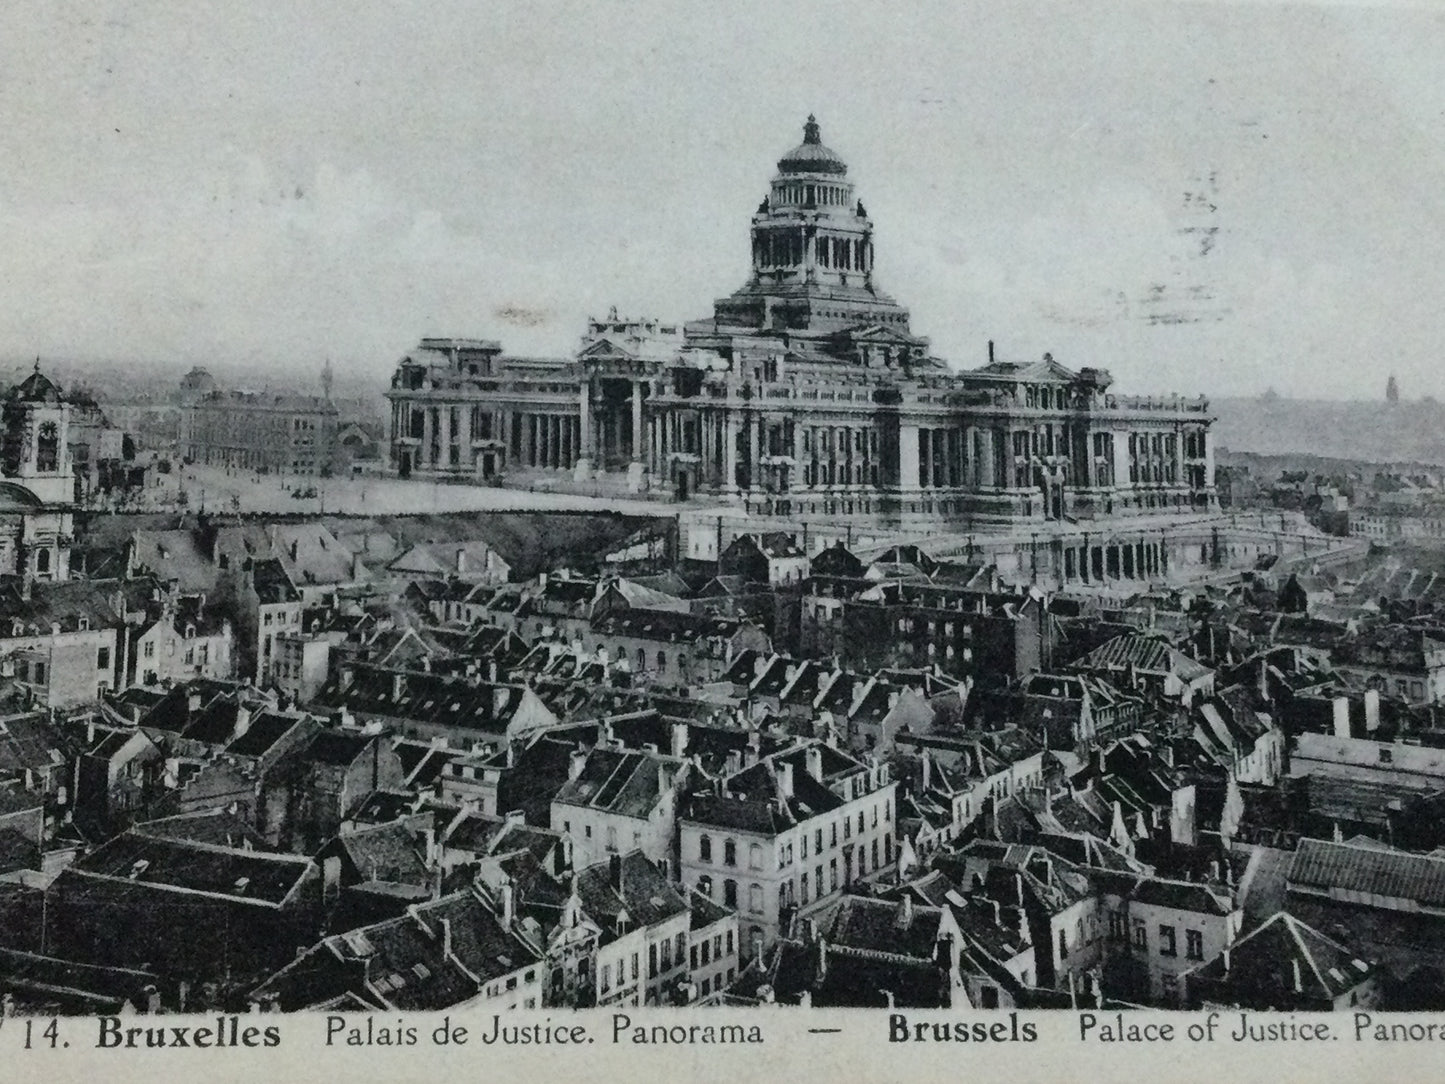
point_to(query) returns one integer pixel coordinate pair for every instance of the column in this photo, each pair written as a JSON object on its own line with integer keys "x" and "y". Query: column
{"x": 445, "y": 413}
{"x": 756, "y": 477}
{"x": 636, "y": 468}
{"x": 583, "y": 469}
{"x": 637, "y": 421}
{"x": 730, "y": 452}
{"x": 427, "y": 430}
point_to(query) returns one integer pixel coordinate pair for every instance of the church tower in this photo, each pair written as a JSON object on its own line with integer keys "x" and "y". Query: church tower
{"x": 36, "y": 460}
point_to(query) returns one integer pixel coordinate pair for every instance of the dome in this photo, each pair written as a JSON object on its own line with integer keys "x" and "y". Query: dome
{"x": 198, "y": 379}
{"x": 811, "y": 156}
{"x": 36, "y": 388}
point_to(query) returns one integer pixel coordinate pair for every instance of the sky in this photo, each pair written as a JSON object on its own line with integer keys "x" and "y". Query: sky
{"x": 1200, "y": 197}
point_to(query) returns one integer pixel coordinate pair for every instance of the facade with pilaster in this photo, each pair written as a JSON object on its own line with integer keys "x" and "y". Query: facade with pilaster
{"x": 807, "y": 394}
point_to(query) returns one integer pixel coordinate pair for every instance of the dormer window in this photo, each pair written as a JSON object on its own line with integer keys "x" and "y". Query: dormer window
{"x": 190, "y": 632}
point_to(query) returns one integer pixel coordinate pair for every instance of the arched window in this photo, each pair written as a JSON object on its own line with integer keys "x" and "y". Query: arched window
{"x": 47, "y": 448}
{"x": 704, "y": 848}
{"x": 755, "y": 856}
{"x": 730, "y": 853}
{"x": 730, "y": 893}
{"x": 42, "y": 561}
{"x": 755, "y": 899}
{"x": 704, "y": 885}
{"x": 661, "y": 661}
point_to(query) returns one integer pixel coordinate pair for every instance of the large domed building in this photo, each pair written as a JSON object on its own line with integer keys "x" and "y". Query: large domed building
{"x": 806, "y": 397}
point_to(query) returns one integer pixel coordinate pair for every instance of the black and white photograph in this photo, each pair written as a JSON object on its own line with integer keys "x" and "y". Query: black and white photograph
{"x": 721, "y": 508}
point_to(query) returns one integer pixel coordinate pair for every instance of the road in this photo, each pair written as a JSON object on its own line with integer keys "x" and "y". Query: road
{"x": 216, "y": 490}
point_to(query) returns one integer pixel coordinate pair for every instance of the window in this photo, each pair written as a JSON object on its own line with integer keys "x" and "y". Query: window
{"x": 635, "y": 965}
{"x": 1387, "y": 756}
{"x": 667, "y": 955}
{"x": 1063, "y": 946}
{"x": 755, "y": 856}
{"x": 803, "y": 888}
{"x": 832, "y": 875}
{"x": 102, "y": 658}
{"x": 730, "y": 853}
{"x": 606, "y": 980}
{"x": 1167, "y": 946}
{"x": 150, "y": 649}
{"x": 1194, "y": 944}
{"x": 652, "y": 961}
{"x": 730, "y": 893}
{"x": 706, "y": 952}
{"x": 818, "y": 841}
{"x": 755, "y": 899}
{"x": 730, "y": 951}
{"x": 1117, "y": 932}
{"x": 704, "y": 885}
{"x": 1141, "y": 936}
{"x": 692, "y": 957}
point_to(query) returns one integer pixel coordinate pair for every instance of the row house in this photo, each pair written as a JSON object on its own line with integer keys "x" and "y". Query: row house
{"x": 460, "y": 951}
{"x": 966, "y": 633}
{"x": 869, "y": 953}
{"x": 184, "y": 640}
{"x": 787, "y": 834}
{"x": 673, "y": 648}
{"x": 642, "y": 956}
{"x": 419, "y": 704}
{"x": 617, "y": 801}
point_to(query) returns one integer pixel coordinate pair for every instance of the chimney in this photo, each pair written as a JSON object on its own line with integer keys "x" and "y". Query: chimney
{"x": 679, "y": 739}
{"x": 90, "y": 731}
{"x": 903, "y": 916}
{"x": 509, "y": 904}
{"x": 1226, "y": 961}
{"x": 398, "y": 685}
{"x": 461, "y": 560}
{"x": 926, "y": 765}
{"x": 1372, "y": 710}
{"x": 193, "y": 702}
{"x": 815, "y": 762}
{"x": 785, "y": 778}
{"x": 578, "y": 762}
{"x": 446, "y": 937}
{"x": 614, "y": 872}
{"x": 243, "y": 720}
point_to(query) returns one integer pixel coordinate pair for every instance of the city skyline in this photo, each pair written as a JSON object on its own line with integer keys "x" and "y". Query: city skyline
{"x": 1179, "y": 208}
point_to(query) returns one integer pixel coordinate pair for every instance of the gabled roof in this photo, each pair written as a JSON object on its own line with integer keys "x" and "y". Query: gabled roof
{"x": 1283, "y": 961}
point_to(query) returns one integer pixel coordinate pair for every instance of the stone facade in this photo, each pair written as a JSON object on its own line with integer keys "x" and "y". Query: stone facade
{"x": 807, "y": 394}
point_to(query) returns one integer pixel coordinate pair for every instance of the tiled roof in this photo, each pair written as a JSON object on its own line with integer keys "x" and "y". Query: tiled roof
{"x": 1145, "y": 654}
{"x": 1337, "y": 867}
